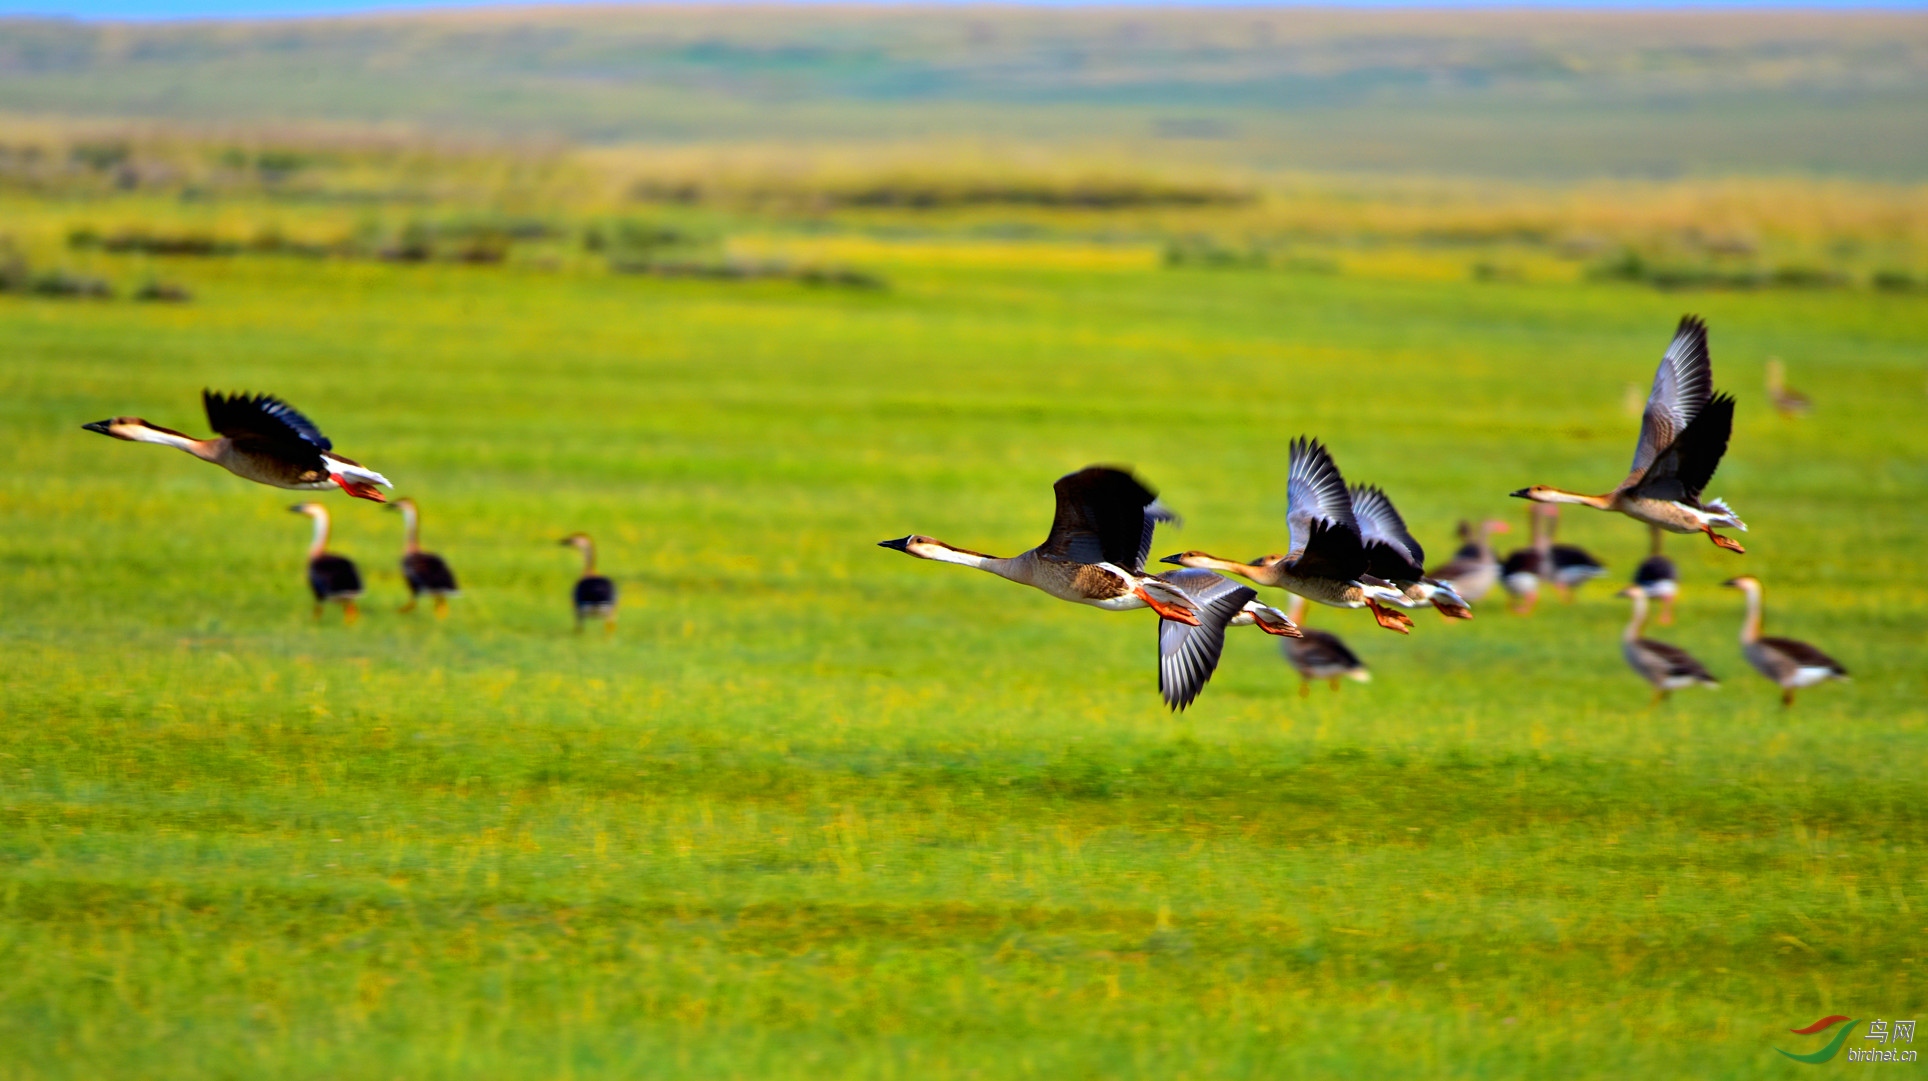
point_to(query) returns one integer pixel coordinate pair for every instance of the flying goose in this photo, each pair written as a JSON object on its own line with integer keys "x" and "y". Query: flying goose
{"x": 1682, "y": 437}
{"x": 1790, "y": 664}
{"x": 1094, "y": 554}
{"x": 1657, "y": 578}
{"x": 1317, "y": 654}
{"x": 1392, "y": 553}
{"x": 594, "y": 596}
{"x": 330, "y": 577}
{"x": 1474, "y": 570}
{"x": 263, "y": 439}
{"x": 1669, "y": 668}
{"x": 1327, "y": 561}
{"x": 425, "y": 572}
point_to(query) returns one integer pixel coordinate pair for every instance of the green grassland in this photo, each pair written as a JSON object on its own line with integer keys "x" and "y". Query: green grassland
{"x": 818, "y": 810}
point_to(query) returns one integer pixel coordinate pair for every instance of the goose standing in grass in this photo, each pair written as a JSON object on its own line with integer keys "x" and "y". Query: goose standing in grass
{"x": 1094, "y": 554}
{"x": 1790, "y": 664}
{"x": 1317, "y": 654}
{"x": 1787, "y": 401}
{"x": 1474, "y": 569}
{"x": 1188, "y": 654}
{"x": 1392, "y": 553}
{"x": 263, "y": 439}
{"x": 1327, "y": 561}
{"x": 1526, "y": 568}
{"x": 1683, "y": 435}
{"x": 1657, "y": 578}
{"x": 594, "y": 596}
{"x": 330, "y": 577}
{"x": 425, "y": 572}
{"x": 1669, "y": 668}
{"x": 1573, "y": 566}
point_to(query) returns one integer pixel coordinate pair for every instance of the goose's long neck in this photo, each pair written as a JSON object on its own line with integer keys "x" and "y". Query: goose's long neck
{"x": 1655, "y": 530}
{"x": 413, "y": 526}
{"x": 320, "y": 543}
{"x": 1639, "y": 619}
{"x": 1751, "y": 626}
{"x": 1001, "y": 566}
{"x": 1233, "y": 566}
{"x": 1555, "y": 495}
{"x": 1486, "y": 543}
{"x": 205, "y": 449}
{"x": 1295, "y": 611}
{"x": 588, "y": 557}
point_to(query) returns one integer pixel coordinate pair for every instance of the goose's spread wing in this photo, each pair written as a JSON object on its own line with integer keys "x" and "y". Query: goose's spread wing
{"x": 1187, "y": 655}
{"x": 1682, "y": 387}
{"x": 1682, "y": 471}
{"x": 1391, "y": 551}
{"x": 265, "y": 422}
{"x": 1102, "y": 518}
{"x": 1155, "y": 512}
{"x": 1315, "y": 493}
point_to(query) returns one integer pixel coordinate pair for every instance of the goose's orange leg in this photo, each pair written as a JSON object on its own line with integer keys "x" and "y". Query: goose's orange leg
{"x": 1170, "y": 611}
{"x": 1389, "y": 619}
{"x": 1728, "y": 543}
{"x": 358, "y": 489}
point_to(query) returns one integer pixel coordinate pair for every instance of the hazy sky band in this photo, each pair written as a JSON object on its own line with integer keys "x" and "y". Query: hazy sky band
{"x": 109, "y": 10}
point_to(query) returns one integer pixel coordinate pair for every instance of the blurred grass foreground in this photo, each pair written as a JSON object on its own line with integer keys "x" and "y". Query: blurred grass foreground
{"x": 743, "y": 291}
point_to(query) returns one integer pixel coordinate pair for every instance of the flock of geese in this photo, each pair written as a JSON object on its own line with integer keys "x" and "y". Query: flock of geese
{"x": 1347, "y": 545}
{"x": 265, "y": 440}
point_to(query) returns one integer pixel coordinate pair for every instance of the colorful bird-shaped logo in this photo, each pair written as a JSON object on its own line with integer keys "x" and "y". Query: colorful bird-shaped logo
{"x": 1834, "y": 1046}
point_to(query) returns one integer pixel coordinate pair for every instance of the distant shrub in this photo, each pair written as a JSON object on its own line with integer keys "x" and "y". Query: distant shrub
{"x": 161, "y": 292}
{"x": 1630, "y": 266}
{"x": 747, "y": 270}
{"x": 61, "y": 283}
{"x": 1893, "y": 281}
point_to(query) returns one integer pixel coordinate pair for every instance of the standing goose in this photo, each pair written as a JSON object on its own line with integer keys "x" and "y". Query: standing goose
{"x": 1657, "y": 578}
{"x": 1683, "y": 434}
{"x": 594, "y": 596}
{"x": 1094, "y": 554}
{"x": 1328, "y": 561}
{"x": 425, "y": 572}
{"x": 1474, "y": 570}
{"x": 330, "y": 577}
{"x": 1394, "y": 554}
{"x": 1790, "y": 664}
{"x": 1669, "y": 668}
{"x": 1573, "y": 566}
{"x": 1317, "y": 654}
{"x": 1188, "y": 655}
{"x": 1787, "y": 401}
{"x": 263, "y": 439}
{"x": 1525, "y": 568}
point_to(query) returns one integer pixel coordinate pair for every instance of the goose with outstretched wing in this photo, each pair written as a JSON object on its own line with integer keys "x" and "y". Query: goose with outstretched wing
{"x": 1327, "y": 561}
{"x": 1394, "y": 554}
{"x": 1683, "y": 434}
{"x": 262, "y": 439}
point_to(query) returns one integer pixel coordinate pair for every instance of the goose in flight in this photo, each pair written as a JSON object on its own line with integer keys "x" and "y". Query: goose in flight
{"x": 1394, "y": 554}
{"x": 1683, "y": 434}
{"x": 263, "y": 439}
{"x": 1094, "y": 554}
{"x": 1188, "y": 654}
{"x": 1327, "y": 561}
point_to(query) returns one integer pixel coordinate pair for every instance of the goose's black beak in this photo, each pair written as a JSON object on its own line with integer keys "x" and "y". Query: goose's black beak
{"x": 1732, "y": 583}
{"x": 1172, "y": 559}
{"x": 901, "y": 544}
{"x": 296, "y": 509}
{"x": 98, "y": 426}
{"x": 1521, "y": 494}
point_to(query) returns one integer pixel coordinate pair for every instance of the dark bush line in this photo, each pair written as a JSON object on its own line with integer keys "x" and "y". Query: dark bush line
{"x": 740, "y": 270}
{"x": 914, "y": 196}
{"x": 1631, "y": 266}
{"x": 17, "y": 278}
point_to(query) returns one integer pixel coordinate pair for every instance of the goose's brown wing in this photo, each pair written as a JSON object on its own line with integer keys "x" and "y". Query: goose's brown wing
{"x": 266, "y": 423}
{"x": 1683, "y": 384}
{"x": 1803, "y": 655}
{"x": 1682, "y": 470}
{"x": 1315, "y": 493}
{"x": 1392, "y": 552}
{"x": 1103, "y": 516}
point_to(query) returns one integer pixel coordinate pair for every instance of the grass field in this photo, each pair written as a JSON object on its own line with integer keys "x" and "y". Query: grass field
{"x": 818, "y": 810}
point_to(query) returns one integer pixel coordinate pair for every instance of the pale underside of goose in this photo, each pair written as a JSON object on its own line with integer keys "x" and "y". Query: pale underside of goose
{"x": 1683, "y": 434}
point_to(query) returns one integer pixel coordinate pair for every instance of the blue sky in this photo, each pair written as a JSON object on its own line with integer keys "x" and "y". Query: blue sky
{"x": 201, "y": 9}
